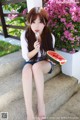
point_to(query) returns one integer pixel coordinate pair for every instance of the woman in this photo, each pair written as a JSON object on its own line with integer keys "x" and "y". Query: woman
{"x": 35, "y": 41}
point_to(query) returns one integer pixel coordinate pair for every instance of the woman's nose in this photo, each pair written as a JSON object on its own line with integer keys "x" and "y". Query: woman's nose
{"x": 37, "y": 25}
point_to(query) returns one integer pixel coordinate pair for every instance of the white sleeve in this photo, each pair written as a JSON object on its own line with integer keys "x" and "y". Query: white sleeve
{"x": 53, "y": 40}
{"x": 24, "y": 46}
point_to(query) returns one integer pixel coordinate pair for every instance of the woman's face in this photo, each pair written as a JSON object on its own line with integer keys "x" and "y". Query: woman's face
{"x": 37, "y": 26}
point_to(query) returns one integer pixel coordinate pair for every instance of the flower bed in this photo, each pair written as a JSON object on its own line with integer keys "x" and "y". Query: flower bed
{"x": 64, "y": 22}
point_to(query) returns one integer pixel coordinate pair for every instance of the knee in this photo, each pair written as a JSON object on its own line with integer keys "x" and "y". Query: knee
{"x": 36, "y": 67}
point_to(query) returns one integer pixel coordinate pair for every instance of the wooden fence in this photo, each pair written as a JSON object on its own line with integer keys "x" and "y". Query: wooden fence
{"x": 3, "y": 15}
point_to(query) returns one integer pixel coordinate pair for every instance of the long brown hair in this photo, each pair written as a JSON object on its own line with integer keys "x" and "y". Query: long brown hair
{"x": 46, "y": 38}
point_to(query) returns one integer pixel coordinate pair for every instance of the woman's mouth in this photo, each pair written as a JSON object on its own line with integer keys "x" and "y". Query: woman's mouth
{"x": 36, "y": 30}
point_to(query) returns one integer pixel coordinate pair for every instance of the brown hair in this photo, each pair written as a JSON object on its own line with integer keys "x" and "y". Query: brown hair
{"x": 37, "y": 11}
{"x": 46, "y": 38}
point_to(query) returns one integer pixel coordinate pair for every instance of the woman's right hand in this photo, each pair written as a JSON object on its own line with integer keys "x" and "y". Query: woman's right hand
{"x": 37, "y": 46}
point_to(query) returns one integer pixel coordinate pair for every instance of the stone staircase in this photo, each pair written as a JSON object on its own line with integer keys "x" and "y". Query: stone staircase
{"x": 58, "y": 88}
{"x": 70, "y": 110}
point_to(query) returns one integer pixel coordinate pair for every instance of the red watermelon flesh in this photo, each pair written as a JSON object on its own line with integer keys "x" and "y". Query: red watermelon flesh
{"x": 56, "y": 56}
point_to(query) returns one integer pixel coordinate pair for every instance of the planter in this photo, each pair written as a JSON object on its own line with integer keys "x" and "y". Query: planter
{"x": 72, "y": 66}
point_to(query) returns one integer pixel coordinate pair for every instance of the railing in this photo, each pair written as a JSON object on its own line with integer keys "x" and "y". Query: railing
{"x": 3, "y": 22}
{"x": 12, "y": 1}
{"x": 5, "y": 27}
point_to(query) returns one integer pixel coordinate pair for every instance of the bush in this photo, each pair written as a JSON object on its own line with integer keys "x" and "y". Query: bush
{"x": 64, "y": 22}
{"x": 7, "y": 48}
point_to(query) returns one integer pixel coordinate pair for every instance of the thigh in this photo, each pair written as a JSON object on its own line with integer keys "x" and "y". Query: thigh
{"x": 26, "y": 68}
{"x": 28, "y": 65}
{"x": 27, "y": 72}
{"x": 44, "y": 65}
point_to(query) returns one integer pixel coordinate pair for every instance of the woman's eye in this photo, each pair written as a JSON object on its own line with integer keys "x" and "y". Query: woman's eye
{"x": 40, "y": 22}
{"x": 33, "y": 21}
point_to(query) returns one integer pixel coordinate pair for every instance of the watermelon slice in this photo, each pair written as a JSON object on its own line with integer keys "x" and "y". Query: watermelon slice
{"x": 56, "y": 57}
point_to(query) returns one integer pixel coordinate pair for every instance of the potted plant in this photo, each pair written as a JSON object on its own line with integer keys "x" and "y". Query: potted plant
{"x": 64, "y": 22}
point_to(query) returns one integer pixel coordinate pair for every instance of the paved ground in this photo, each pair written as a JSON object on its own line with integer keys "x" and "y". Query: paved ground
{"x": 10, "y": 40}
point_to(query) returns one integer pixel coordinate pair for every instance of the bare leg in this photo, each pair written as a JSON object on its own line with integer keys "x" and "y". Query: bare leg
{"x": 27, "y": 90}
{"x": 38, "y": 71}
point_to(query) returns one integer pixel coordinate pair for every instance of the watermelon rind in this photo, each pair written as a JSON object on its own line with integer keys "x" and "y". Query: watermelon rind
{"x": 55, "y": 59}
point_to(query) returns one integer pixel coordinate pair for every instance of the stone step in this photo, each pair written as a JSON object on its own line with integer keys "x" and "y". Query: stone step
{"x": 70, "y": 110}
{"x": 11, "y": 86}
{"x": 10, "y": 63}
{"x": 58, "y": 91}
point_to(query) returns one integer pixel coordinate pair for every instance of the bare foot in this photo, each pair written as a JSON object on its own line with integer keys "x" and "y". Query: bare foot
{"x": 30, "y": 116}
{"x": 41, "y": 111}
{"x": 42, "y": 118}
